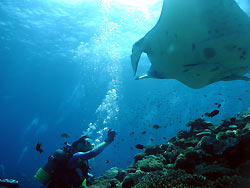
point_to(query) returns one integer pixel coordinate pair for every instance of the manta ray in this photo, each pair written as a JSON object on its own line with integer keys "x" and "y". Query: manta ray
{"x": 197, "y": 42}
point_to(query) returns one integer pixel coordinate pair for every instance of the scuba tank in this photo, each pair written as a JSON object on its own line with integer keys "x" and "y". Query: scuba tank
{"x": 43, "y": 174}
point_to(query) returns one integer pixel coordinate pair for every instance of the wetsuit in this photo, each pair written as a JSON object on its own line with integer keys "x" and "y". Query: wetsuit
{"x": 66, "y": 170}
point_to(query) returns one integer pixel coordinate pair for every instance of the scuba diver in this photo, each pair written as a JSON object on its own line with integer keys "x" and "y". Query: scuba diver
{"x": 68, "y": 167}
{"x": 9, "y": 183}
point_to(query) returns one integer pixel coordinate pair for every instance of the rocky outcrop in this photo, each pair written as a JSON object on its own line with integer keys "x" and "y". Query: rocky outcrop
{"x": 205, "y": 156}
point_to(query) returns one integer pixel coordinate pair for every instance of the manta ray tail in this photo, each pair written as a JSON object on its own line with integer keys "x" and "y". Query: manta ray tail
{"x": 136, "y": 54}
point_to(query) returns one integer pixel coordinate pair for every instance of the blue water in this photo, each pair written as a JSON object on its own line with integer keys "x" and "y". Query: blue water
{"x": 65, "y": 67}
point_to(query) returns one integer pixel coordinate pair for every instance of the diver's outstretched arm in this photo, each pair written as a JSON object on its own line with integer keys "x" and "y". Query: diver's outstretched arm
{"x": 93, "y": 153}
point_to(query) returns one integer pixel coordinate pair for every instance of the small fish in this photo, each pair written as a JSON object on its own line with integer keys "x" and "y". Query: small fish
{"x": 217, "y": 104}
{"x": 232, "y": 120}
{"x": 143, "y": 132}
{"x": 65, "y": 135}
{"x": 212, "y": 114}
{"x": 151, "y": 139}
{"x": 240, "y": 99}
{"x": 156, "y": 126}
{"x": 38, "y": 147}
{"x": 132, "y": 133}
{"x": 139, "y": 146}
{"x": 107, "y": 161}
{"x": 164, "y": 138}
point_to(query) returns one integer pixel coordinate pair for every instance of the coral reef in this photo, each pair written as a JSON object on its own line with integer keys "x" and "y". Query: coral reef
{"x": 206, "y": 156}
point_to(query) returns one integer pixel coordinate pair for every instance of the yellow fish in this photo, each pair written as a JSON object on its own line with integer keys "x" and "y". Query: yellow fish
{"x": 65, "y": 135}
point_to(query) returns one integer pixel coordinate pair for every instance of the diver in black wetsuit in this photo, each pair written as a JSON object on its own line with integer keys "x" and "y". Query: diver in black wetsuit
{"x": 68, "y": 167}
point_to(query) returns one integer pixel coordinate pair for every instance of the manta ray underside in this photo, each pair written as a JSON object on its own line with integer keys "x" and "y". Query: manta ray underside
{"x": 197, "y": 42}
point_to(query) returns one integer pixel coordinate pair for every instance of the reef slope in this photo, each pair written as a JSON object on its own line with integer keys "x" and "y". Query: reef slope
{"x": 204, "y": 156}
